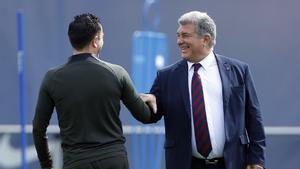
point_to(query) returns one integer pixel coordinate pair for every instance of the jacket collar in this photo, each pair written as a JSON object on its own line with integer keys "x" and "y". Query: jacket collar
{"x": 82, "y": 57}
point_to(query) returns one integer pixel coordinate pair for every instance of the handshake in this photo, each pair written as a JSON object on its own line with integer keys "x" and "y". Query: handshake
{"x": 150, "y": 100}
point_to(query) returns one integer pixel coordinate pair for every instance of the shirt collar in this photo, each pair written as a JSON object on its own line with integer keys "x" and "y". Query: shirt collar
{"x": 206, "y": 62}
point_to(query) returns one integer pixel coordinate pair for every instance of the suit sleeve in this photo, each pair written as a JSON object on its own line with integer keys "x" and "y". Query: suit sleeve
{"x": 254, "y": 124}
{"x": 132, "y": 101}
{"x": 156, "y": 90}
{"x": 44, "y": 109}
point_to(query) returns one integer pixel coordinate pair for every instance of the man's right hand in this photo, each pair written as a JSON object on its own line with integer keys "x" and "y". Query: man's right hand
{"x": 150, "y": 100}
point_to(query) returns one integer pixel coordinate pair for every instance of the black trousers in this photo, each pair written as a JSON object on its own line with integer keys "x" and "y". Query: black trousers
{"x": 115, "y": 162}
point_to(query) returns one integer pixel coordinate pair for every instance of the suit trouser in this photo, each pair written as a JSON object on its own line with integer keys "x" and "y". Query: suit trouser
{"x": 201, "y": 164}
{"x": 115, "y": 162}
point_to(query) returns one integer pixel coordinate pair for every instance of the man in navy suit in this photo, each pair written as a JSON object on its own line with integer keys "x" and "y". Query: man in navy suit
{"x": 230, "y": 120}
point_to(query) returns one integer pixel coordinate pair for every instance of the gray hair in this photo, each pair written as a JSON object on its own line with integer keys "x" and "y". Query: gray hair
{"x": 204, "y": 23}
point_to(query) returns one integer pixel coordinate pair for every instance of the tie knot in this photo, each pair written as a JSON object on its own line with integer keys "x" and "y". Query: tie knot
{"x": 196, "y": 66}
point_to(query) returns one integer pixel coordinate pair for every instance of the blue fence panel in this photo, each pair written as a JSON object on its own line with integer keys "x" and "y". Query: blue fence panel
{"x": 149, "y": 53}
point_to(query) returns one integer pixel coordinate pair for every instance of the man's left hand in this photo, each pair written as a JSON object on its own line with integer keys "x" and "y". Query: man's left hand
{"x": 254, "y": 166}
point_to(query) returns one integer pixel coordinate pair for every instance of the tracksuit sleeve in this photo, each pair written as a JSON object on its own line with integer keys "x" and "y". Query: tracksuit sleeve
{"x": 132, "y": 101}
{"x": 43, "y": 112}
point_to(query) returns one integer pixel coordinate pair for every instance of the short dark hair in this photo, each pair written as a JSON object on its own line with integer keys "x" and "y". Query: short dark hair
{"x": 83, "y": 29}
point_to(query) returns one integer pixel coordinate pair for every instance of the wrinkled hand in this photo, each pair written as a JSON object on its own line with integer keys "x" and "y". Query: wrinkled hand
{"x": 254, "y": 166}
{"x": 150, "y": 100}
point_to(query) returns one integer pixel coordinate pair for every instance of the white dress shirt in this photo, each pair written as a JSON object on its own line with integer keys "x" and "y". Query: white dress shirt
{"x": 213, "y": 99}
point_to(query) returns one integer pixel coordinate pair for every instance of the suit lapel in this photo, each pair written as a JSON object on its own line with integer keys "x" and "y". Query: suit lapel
{"x": 184, "y": 89}
{"x": 225, "y": 73}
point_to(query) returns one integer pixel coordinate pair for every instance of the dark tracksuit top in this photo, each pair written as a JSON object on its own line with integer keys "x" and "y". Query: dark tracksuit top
{"x": 86, "y": 94}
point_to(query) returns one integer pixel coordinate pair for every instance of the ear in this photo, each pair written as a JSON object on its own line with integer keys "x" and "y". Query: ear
{"x": 207, "y": 39}
{"x": 94, "y": 42}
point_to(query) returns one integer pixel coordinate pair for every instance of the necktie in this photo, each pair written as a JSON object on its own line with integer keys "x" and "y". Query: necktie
{"x": 199, "y": 115}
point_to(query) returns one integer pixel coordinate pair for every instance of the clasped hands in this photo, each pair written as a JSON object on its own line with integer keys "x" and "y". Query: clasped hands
{"x": 150, "y": 100}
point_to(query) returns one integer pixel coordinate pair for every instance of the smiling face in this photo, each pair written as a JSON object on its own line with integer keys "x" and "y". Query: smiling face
{"x": 193, "y": 47}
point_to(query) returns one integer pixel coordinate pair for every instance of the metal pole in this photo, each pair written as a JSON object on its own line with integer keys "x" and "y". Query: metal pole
{"x": 21, "y": 86}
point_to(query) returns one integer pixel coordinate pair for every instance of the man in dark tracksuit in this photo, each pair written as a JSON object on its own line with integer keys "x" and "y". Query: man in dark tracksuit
{"x": 86, "y": 93}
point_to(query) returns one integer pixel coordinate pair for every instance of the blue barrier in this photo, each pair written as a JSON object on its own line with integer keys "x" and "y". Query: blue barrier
{"x": 149, "y": 53}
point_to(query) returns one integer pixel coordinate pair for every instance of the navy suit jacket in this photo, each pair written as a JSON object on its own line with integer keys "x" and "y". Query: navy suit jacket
{"x": 244, "y": 133}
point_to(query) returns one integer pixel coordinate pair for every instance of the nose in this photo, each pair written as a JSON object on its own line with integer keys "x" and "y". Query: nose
{"x": 179, "y": 40}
